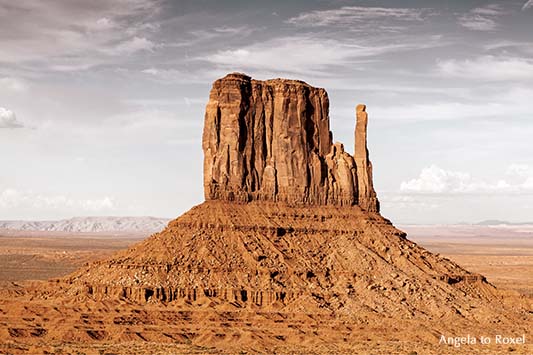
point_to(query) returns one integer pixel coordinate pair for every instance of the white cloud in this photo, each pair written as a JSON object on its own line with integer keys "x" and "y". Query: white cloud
{"x": 438, "y": 111}
{"x": 482, "y": 18}
{"x": 67, "y": 37}
{"x": 507, "y": 46}
{"x": 233, "y": 30}
{"x": 152, "y": 71}
{"x": 150, "y": 122}
{"x": 13, "y": 84}
{"x": 513, "y": 103}
{"x": 294, "y": 55}
{"x": 304, "y": 54}
{"x": 357, "y": 15}
{"x": 12, "y": 198}
{"x": 520, "y": 170}
{"x": 104, "y": 23}
{"x": 406, "y": 202}
{"x": 218, "y": 32}
{"x": 489, "y": 10}
{"x": 8, "y": 119}
{"x": 528, "y": 5}
{"x": 436, "y": 180}
{"x": 478, "y": 22}
{"x": 133, "y": 45}
{"x": 199, "y": 38}
{"x": 488, "y": 67}
{"x": 172, "y": 76}
{"x": 520, "y": 175}
{"x": 106, "y": 203}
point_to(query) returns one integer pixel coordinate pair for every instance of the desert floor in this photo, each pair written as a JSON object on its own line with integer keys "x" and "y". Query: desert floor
{"x": 503, "y": 254}
{"x": 44, "y": 255}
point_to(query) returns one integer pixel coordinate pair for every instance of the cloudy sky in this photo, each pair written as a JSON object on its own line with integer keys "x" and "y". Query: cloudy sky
{"x": 101, "y": 102}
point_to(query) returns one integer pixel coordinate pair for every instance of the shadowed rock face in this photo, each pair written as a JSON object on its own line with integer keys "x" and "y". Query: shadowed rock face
{"x": 270, "y": 140}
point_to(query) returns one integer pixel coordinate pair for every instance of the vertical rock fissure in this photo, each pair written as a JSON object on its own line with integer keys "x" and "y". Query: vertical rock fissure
{"x": 243, "y": 130}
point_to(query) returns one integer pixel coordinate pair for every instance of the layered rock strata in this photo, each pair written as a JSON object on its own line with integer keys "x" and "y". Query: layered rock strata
{"x": 270, "y": 141}
{"x": 272, "y": 256}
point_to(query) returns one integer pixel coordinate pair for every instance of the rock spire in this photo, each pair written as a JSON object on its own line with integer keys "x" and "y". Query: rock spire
{"x": 367, "y": 198}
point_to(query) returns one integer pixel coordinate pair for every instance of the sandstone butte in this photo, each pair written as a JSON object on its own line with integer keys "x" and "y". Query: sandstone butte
{"x": 288, "y": 254}
{"x": 270, "y": 141}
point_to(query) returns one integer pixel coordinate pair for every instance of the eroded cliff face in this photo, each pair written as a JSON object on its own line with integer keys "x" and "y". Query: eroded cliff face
{"x": 270, "y": 140}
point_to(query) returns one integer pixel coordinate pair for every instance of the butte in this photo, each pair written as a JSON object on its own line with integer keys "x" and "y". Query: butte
{"x": 288, "y": 253}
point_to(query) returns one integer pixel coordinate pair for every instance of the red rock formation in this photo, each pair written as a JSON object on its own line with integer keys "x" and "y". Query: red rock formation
{"x": 270, "y": 140}
{"x": 268, "y": 144}
{"x": 301, "y": 264}
{"x": 367, "y": 196}
{"x": 269, "y": 255}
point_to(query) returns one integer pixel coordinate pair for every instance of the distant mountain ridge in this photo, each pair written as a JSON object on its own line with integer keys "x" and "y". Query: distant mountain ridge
{"x": 496, "y": 222}
{"x": 91, "y": 224}
{"x": 485, "y": 223}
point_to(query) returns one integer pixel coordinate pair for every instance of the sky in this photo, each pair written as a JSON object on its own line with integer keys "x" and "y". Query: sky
{"x": 102, "y": 102}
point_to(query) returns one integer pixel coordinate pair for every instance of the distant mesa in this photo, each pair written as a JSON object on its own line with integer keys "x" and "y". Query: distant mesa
{"x": 271, "y": 141}
{"x": 497, "y": 222}
{"x": 90, "y": 225}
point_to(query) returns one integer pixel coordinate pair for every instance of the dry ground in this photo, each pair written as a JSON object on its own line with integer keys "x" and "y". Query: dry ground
{"x": 503, "y": 254}
{"x": 44, "y": 255}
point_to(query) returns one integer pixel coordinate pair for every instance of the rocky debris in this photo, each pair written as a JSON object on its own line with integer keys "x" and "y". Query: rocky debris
{"x": 270, "y": 141}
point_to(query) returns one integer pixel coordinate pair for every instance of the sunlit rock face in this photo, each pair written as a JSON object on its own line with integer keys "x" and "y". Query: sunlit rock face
{"x": 270, "y": 140}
